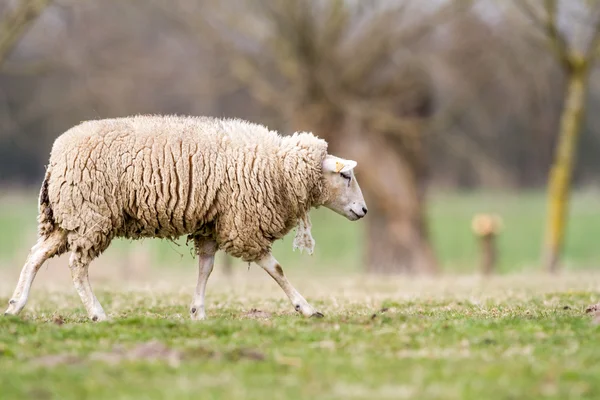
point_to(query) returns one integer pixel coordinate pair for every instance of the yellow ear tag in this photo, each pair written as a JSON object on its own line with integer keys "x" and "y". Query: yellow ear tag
{"x": 338, "y": 166}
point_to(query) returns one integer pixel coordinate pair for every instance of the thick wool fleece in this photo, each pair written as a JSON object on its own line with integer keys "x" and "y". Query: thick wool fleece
{"x": 167, "y": 176}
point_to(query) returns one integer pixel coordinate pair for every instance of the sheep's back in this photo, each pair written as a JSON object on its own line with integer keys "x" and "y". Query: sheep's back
{"x": 135, "y": 177}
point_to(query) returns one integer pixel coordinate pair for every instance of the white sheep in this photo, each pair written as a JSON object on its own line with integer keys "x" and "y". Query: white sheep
{"x": 228, "y": 184}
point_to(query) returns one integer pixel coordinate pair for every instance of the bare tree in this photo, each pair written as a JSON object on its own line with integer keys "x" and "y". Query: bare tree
{"x": 575, "y": 49}
{"x": 349, "y": 72}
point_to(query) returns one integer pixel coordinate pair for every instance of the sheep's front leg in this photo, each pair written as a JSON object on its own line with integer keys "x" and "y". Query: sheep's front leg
{"x": 206, "y": 250}
{"x": 270, "y": 264}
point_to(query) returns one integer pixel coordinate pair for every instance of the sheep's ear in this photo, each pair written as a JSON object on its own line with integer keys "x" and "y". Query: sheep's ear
{"x": 348, "y": 165}
{"x": 337, "y": 165}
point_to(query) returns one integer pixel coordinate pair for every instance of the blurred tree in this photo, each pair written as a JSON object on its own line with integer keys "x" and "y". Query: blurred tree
{"x": 15, "y": 21}
{"x": 418, "y": 92}
{"x": 347, "y": 72}
{"x": 576, "y": 57}
{"x": 488, "y": 94}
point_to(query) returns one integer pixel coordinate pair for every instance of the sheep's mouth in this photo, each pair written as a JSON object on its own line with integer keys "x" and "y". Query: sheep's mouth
{"x": 355, "y": 216}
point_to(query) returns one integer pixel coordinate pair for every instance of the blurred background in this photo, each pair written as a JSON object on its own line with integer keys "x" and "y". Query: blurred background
{"x": 473, "y": 122}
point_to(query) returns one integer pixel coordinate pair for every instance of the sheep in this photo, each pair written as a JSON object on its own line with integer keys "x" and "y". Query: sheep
{"x": 228, "y": 184}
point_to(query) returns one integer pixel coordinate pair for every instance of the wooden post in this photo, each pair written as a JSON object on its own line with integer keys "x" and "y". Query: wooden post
{"x": 486, "y": 228}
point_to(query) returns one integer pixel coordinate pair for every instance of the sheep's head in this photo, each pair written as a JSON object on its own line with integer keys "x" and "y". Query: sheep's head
{"x": 344, "y": 194}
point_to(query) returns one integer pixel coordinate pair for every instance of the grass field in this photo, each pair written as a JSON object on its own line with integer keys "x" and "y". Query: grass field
{"x": 518, "y": 336}
{"x": 521, "y": 334}
{"x": 338, "y": 240}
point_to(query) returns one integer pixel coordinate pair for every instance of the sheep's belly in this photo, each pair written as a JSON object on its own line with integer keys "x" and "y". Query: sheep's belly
{"x": 160, "y": 226}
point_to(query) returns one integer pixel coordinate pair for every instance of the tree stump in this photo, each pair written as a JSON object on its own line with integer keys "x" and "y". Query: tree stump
{"x": 486, "y": 228}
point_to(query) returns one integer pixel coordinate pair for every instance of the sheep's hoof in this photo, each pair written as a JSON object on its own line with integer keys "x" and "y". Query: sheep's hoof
{"x": 99, "y": 318}
{"x": 198, "y": 317}
{"x": 317, "y": 315}
{"x": 12, "y": 309}
{"x": 197, "y": 314}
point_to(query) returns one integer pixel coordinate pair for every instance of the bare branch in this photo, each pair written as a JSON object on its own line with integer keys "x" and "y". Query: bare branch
{"x": 535, "y": 17}
{"x": 16, "y": 23}
{"x": 546, "y": 22}
{"x": 34, "y": 68}
{"x": 557, "y": 40}
{"x": 244, "y": 66}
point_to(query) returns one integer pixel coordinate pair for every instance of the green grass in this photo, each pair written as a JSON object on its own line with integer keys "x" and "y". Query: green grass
{"x": 339, "y": 241}
{"x": 520, "y": 241}
{"x": 508, "y": 338}
{"x": 518, "y": 335}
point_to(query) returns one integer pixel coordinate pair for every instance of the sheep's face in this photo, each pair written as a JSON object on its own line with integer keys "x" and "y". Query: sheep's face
{"x": 345, "y": 196}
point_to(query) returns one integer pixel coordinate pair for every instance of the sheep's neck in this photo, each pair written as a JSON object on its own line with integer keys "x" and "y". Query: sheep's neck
{"x": 319, "y": 194}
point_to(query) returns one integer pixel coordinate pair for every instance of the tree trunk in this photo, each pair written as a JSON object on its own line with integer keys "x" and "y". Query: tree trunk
{"x": 559, "y": 185}
{"x": 397, "y": 239}
{"x": 397, "y": 245}
{"x": 488, "y": 254}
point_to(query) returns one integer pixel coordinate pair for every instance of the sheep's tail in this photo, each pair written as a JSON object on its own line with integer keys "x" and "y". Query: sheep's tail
{"x": 46, "y": 224}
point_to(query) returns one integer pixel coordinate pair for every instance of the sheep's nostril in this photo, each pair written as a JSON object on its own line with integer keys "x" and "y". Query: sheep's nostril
{"x": 365, "y": 210}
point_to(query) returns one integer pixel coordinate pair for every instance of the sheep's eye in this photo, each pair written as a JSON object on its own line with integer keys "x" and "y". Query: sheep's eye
{"x": 345, "y": 176}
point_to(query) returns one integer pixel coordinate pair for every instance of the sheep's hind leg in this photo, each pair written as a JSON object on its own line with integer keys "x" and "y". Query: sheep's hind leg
{"x": 79, "y": 265}
{"x": 206, "y": 250}
{"x": 45, "y": 248}
{"x": 270, "y": 264}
